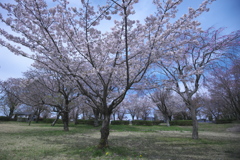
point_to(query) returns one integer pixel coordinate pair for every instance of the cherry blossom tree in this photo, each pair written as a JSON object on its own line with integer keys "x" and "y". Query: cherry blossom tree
{"x": 11, "y": 91}
{"x": 121, "y": 111}
{"x": 56, "y": 92}
{"x": 186, "y": 64}
{"x": 138, "y": 106}
{"x": 81, "y": 109}
{"x": 33, "y": 96}
{"x": 132, "y": 105}
{"x": 105, "y": 66}
{"x": 145, "y": 107}
{"x": 224, "y": 88}
{"x": 162, "y": 99}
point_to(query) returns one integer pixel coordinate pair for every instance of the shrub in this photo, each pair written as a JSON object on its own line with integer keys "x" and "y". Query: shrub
{"x": 48, "y": 120}
{"x": 89, "y": 122}
{"x": 120, "y": 122}
{"x": 3, "y": 118}
{"x": 148, "y": 123}
{"x": 222, "y": 121}
{"x": 20, "y": 119}
{"x": 157, "y": 122}
{"x": 81, "y": 121}
{"x": 140, "y": 122}
{"x": 181, "y": 123}
{"x": 40, "y": 119}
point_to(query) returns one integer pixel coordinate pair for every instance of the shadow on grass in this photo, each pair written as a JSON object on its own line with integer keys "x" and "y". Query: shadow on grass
{"x": 150, "y": 146}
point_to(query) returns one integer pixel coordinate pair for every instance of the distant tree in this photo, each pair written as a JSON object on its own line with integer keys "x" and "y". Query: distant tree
{"x": 132, "y": 106}
{"x": 46, "y": 113}
{"x": 224, "y": 88}
{"x": 211, "y": 109}
{"x": 145, "y": 107}
{"x": 33, "y": 96}
{"x": 168, "y": 104}
{"x": 138, "y": 106}
{"x": 11, "y": 91}
{"x": 162, "y": 99}
{"x": 121, "y": 111}
{"x": 80, "y": 109}
{"x": 55, "y": 91}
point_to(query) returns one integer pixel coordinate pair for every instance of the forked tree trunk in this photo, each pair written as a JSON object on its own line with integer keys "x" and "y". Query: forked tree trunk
{"x": 194, "y": 123}
{"x": 133, "y": 117}
{"x": 55, "y": 121}
{"x": 104, "y": 132}
{"x": 10, "y": 113}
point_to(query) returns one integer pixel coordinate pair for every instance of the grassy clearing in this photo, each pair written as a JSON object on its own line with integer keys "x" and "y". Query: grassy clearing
{"x": 41, "y": 141}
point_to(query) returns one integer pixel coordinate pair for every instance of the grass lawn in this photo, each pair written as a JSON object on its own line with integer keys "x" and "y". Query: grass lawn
{"x": 42, "y": 141}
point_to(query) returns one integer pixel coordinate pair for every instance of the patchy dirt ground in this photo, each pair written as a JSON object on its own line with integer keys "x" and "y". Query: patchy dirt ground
{"x": 234, "y": 129}
{"x": 20, "y": 141}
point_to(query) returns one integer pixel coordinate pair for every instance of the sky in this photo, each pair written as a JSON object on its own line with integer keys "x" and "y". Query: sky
{"x": 223, "y": 13}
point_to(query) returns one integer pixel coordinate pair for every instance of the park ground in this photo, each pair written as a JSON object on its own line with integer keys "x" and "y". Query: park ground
{"x": 42, "y": 141}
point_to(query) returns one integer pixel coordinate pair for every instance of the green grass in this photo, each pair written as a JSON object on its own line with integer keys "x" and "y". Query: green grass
{"x": 42, "y": 141}
{"x": 124, "y": 128}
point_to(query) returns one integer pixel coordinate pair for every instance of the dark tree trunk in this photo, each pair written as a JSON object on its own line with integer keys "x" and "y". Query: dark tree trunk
{"x": 55, "y": 121}
{"x": 104, "y": 132}
{"x": 194, "y": 123}
{"x": 114, "y": 116}
{"x": 11, "y": 112}
{"x": 76, "y": 118}
{"x": 30, "y": 118}
{"x": 29, "y": 122}
{"x": 65, "y": 119}
{"x": 38, "y": 116}
{"x": 83, "y": 113}
{"x": 132, "y": 117}
{"x": 120, "y": 117}
{"x": 96, "y": 117}
{"x": 167, "y": 120}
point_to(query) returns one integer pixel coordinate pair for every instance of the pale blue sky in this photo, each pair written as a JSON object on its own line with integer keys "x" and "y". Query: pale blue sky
{"x": 223, "y": 13}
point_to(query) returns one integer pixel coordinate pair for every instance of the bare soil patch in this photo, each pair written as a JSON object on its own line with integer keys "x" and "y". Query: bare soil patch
{"x": 235, "y": 128}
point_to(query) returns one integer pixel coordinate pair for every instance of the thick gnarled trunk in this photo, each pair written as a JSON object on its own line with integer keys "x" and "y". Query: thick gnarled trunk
{"x": 104, "y": 132}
